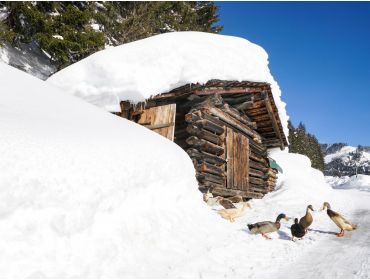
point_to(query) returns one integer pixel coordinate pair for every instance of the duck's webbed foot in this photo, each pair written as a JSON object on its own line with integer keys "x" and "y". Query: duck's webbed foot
{"x": 340, "y": 234}
{"x": 266, "y": 236}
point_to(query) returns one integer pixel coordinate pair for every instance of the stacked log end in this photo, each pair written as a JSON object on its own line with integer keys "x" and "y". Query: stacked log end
{"x": 206, "y": 137}
{"x": 271, "y": 180}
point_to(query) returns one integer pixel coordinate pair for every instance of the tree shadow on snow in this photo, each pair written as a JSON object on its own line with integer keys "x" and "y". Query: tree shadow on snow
{"x": 322, "y": 231}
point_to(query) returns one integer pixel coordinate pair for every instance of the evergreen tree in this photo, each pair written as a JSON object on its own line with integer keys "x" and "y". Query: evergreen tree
{"x": 306, "y": 144}
{"x": 70, "y": 31}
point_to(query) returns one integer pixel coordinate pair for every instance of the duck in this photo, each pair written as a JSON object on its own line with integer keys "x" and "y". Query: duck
{"x": 267, "y": 226}
{"x": 231, "y": 214}
{"x": 209, "y": 199}
{"x": 297, "y": 230}
{"x": 212, "y": 201}
{"x": 307, "y": 219}
{"x": 339, "y": 220}
{"x": 236, "y": 199}
{"x": 226, "y": 203}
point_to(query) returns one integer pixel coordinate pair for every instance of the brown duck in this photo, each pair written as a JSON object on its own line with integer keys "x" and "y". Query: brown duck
{"x": 307, "y": 219}
{"x": 339, "y": 220}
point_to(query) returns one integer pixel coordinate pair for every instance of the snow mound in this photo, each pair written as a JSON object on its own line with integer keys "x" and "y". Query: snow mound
{"x": 299, "y": 184}
{"x": 151, "y": 66}
{"x": 359, "y": 182}
{"x": 85, "y": 193}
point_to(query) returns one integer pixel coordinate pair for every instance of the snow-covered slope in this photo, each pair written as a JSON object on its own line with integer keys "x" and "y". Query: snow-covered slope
{"x": 344, "y": 160}
{"x": 84, "y": 193}
{"x": 359, "y": 182}
{"x": 154, "y": 65}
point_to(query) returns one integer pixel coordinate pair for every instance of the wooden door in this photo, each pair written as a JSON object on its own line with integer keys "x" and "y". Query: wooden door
{"x": 237, "y": 155}
{"x": 160, "y": 119}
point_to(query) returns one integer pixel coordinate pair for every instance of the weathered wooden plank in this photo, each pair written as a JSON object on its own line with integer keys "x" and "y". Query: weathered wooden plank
{"x": 196, "y": 115}
{"x": 161, "y": 119}
{"x": 257, "y": 165}
{"x": 126, "y": 106}
{"x": 233, "y": 122}
{"x": 204, "y": 145}
{"x": 203, "y": 177}
{"x": 274, "y": 122}
{"x": 236, "y": 114}
{"x": 241, "y": 154}
{"x": 205, "y": 134}
{"x": 230, "y": 91}
{"x": 255, "y": 180}
{"x": 209, "y": 168}
{"x": 210, "y": 126}
{"x": 230, "y": 192}
{"x": 211, "y": 185}
{"x": 259, "y": 159}
{"x": 230, "y": 158}
{"x": 256, "y": 173}
{"x": 206, "y": 157}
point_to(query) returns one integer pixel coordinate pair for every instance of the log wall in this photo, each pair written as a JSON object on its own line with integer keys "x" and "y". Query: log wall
{"x": 226, "y": 134}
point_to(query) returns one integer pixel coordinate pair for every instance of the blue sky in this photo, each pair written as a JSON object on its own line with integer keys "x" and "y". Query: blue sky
{"x": 319, "y": 53}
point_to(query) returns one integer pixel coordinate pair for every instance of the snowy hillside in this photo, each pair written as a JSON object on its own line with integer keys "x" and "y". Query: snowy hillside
{"x": 359, "y": 182}
{"x": 87, "y": 194}
{"x": 154, "y": 65}
{"x": 28, "y": 58}
{"x": 344, "y": 160}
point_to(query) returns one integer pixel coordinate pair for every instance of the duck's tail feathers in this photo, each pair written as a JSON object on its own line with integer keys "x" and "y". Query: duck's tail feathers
{"x": 250, "y": 226}
{"x": 354, "y": 227}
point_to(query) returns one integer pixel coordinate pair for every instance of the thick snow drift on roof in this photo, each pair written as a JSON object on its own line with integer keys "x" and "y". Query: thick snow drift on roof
{"x": 151, "y": 66}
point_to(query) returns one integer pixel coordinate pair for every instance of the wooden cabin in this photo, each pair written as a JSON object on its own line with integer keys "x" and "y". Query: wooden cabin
{"x": 226, "y": 128}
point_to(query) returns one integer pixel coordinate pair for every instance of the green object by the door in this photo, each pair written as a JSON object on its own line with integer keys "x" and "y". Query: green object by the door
{"x": 273, "y": 164}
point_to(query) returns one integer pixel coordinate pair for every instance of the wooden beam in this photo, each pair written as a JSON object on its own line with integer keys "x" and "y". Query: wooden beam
{"x": 230, "y": 192}
{"x": 274, "y": 122}
{"x": 233, "y": 122}
{"x": 231, "y": 91}
{"x": 158, "y": 126}
{"x": 202, "y": 156}
{"x": 205, "y": 145}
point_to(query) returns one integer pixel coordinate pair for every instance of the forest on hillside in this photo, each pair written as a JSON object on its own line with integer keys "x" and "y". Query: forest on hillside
{"x": 70, "y": 31}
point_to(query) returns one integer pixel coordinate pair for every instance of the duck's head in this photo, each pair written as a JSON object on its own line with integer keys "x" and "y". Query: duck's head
{"x": 282, "y": 216}
{"x": 309, "y": 207}
{"x": 326, "y": 205}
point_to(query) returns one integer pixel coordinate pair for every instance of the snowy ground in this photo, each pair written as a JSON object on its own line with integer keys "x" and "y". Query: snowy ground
{"x": 86, "y": 194}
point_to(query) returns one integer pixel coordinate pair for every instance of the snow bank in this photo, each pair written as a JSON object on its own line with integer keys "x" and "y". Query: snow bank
{"x": 151, "y": 66}
{"x": 85, "y": 193}
{"x": 359, "y": 182}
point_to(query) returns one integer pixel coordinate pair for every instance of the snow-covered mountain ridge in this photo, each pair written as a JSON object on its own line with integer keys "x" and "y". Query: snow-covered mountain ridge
{"x": 345, "y": 160}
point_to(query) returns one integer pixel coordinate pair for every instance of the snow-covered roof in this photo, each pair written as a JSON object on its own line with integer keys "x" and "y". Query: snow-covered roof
{"x": 141, "y": 69}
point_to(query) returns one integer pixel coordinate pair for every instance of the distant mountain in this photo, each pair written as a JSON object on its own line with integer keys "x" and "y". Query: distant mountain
{"x": 343, "y": 160}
